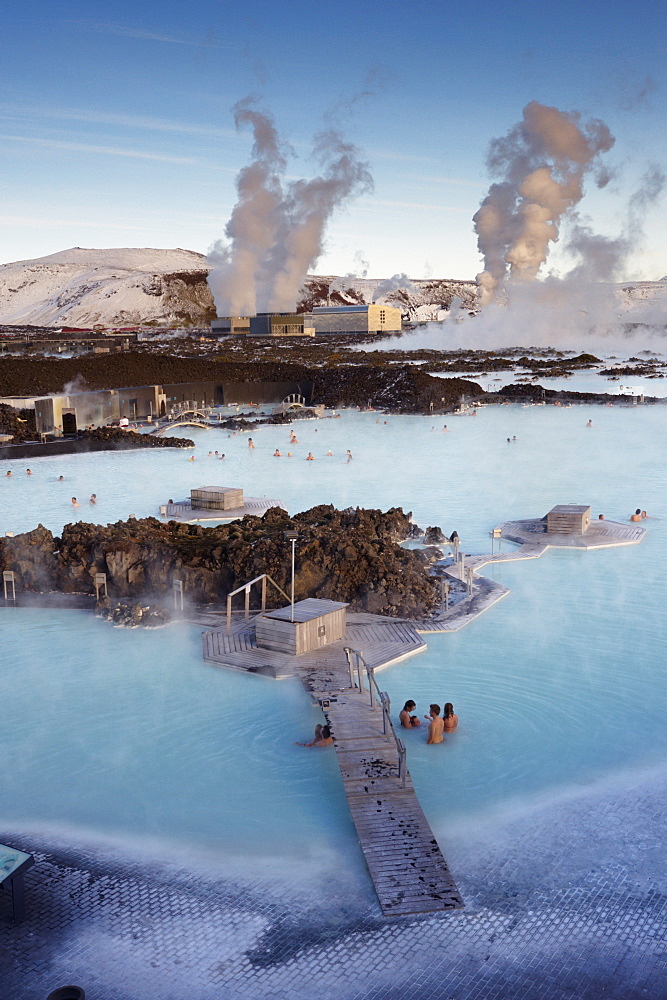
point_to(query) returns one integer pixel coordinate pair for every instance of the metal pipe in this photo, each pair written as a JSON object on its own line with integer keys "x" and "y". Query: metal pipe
{"x": 293, "y": 548}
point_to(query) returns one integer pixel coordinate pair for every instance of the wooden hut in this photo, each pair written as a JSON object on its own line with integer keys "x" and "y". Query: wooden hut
{"x": 568, "y": 519}
{"x": 216, "y": 498}
{"x": 316, "y": 623}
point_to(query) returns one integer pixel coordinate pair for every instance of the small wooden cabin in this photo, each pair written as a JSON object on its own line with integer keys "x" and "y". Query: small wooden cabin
{"x": 316, "y": 623}
{"x": 216, "y": 498}
{"x": 568, "y": 519}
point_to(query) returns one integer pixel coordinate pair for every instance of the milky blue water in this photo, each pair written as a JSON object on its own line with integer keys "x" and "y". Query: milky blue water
{"x": 128, "y": 733}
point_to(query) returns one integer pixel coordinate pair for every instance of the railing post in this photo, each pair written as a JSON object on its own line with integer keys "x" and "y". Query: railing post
{"x": 371, "y": 684}
{"x": 386, "y": 709}
{"x": 348, "y": 652}
{"x": 359, "y": 674}
{"x": 247, "y": 603}
{"x": 264, "y": 592}
{"x": 401, "y": 761}
{"x": 229, "y": 613}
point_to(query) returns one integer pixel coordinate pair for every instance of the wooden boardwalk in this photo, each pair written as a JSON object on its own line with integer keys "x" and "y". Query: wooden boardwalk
{"x": 405, "y": 862}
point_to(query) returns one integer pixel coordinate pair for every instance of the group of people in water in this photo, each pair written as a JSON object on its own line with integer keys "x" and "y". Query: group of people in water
{"x": 438, "y": 724}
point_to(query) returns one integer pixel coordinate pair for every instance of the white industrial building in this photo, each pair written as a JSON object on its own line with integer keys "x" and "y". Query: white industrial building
{"x": 357, "y": 319}
{"x": 373, "y": 318}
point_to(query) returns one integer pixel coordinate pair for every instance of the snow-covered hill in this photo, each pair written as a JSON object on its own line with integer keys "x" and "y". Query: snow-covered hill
{"x": 122, "y": 287}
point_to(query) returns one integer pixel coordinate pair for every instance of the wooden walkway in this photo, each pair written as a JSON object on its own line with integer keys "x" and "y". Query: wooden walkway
{"x": 405, "y": 862}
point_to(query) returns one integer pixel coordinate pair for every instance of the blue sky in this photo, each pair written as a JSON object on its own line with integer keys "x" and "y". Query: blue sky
{"x": 115, "y": 123}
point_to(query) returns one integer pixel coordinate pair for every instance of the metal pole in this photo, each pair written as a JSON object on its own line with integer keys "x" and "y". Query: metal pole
{"x": 359, "y": 675}
{"x": 371, "y": 685}
{"x": 293, "y": 548}
{"x": 349, "y": 663}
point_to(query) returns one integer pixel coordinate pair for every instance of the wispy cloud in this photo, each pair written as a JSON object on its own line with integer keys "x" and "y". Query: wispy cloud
{"x": 456, "y": 181}
{"x": 209, "y": 40}
{"x": 69, "y": 222}
{"x": 84, "y": 147}
{"x": 431, "y": 207}
{"x": 123, "y": 120}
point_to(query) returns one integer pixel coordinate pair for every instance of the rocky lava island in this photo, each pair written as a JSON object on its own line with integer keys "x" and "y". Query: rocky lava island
{"x": 350, "y": 555}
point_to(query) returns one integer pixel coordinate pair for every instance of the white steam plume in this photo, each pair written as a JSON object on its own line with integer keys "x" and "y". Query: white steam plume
{"x": 393, "y": 284}
{"x": 541, "y": 164}
{"x": 239, "y": 266}
{"x": 276, "y": 232}
{"x": 308, "y": 207}
{"x": 346, "y": 282}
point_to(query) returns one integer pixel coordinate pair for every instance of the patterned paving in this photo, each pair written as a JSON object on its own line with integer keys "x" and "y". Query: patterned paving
{"x": 569, "y": 903}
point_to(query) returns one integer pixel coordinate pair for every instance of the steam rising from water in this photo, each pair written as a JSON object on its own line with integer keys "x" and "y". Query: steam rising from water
{"x": 276, "y": 230}
{"x": 541, "y": 163}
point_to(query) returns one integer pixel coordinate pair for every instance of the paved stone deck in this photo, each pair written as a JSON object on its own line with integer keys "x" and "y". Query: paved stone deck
{"x": 569, "y": 903}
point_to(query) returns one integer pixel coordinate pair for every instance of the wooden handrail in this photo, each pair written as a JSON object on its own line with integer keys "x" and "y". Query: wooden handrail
{"x": 246, "y": 587}
{"x": 373, "y": 688}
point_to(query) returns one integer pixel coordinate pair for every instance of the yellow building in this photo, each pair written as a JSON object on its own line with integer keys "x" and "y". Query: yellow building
{"x": 357, "y": 319}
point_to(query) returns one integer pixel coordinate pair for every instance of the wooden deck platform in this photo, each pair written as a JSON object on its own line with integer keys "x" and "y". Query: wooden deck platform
{"x": 183, "y": 512}
{"x": 382, "y": 640}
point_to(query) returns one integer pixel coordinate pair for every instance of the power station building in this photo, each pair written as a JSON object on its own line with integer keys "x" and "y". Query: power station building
{"x": 359, "y": 319}
{"x": 265, "y": 325}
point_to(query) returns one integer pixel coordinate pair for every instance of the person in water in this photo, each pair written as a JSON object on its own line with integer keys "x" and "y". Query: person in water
{"x": 277, "y": 453}
{"x": 61, "y": 479}
{"x": 590, "y": 423}
{"x": 28, "y": 472}
{"x": 310, "y": 457}
{"x": 93, "y": 498}
{"x": 325, "y": 739}
{"x": 75, "y": 502}
{"x": 436, "y": 727}
{"x": 409, "y": 721}
{"x": 637, "y": 516}
{"x": 450, "y": 719}
{"x": 349, "y": 456}
{"x": 9, "y": 473}
{"x": 251, "y": 443}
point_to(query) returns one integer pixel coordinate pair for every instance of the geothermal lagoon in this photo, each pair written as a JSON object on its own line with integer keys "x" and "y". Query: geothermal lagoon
{"x": 122, "y": 744}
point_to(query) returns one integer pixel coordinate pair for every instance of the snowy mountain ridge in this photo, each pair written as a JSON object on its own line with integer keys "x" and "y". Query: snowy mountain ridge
{"x": 149, "y": 287}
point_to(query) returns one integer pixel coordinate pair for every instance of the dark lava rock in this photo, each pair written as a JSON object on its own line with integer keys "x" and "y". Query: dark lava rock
{"x": 399, "y": 387}
{"x": 133, "y": 615}
{"x": 125, "y": 440}
{"x": 434, "y": 536}
{"x": 351, "y": 555}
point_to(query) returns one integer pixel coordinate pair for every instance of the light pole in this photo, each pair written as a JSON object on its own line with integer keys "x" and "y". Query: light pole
{"x": 291, "y": 536}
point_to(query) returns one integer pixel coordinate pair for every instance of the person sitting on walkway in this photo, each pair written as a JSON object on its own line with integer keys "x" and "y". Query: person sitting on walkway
{"x": 409, "y": 721}
{"x": 637, "y": 516}
{"x": 450, "y": 719}
{"x": 325, "y": 739}
{"x": 437, "y": 726}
